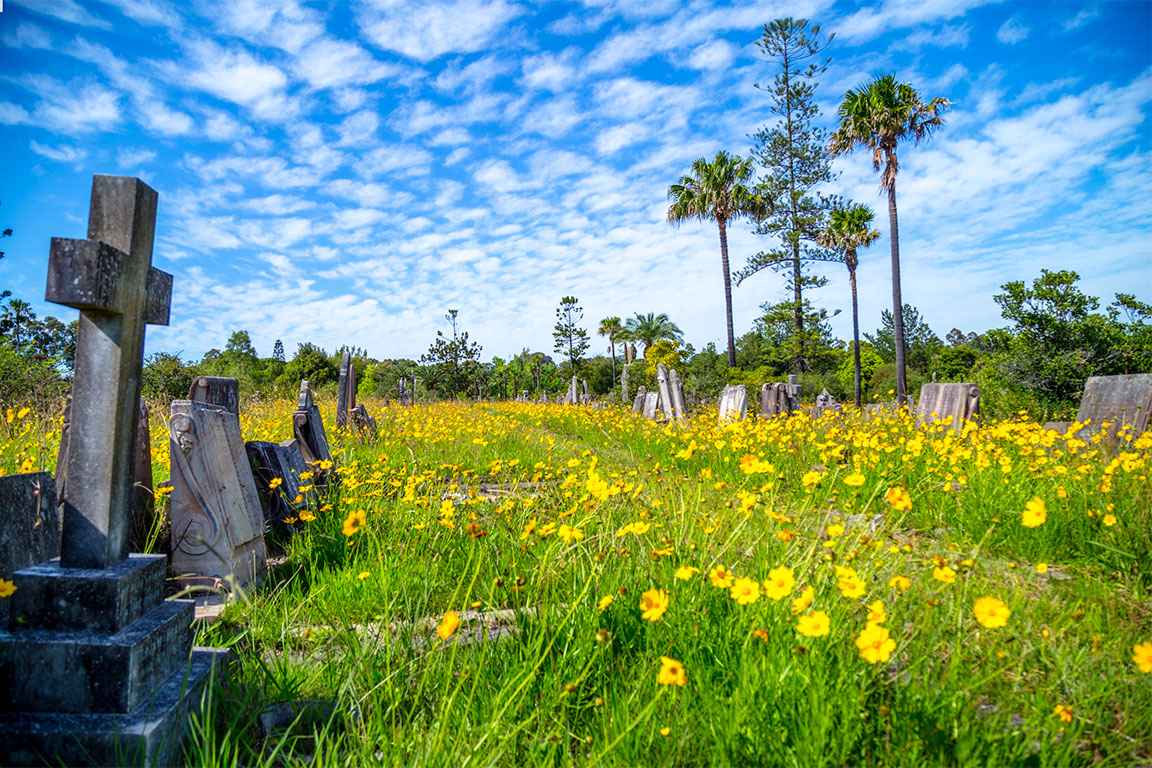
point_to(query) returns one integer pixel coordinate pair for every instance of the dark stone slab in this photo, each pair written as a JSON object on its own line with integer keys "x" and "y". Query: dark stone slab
{"x": 345, "y": 390}
{"x": 309, "y": 436}
{"x": 221, "y": 391}
{"x": 51, "y": 597}
{"x": 29, "y": 526}
{"x": 152, "y": 734}
{"x": 270, "y": 461}
{"x": 95, "y": 672}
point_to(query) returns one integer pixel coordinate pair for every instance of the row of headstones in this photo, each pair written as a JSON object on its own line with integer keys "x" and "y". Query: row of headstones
{"x": 577, "y": 394}
{"x": 1114, "y": 400}
{"x": 666, "y": 403}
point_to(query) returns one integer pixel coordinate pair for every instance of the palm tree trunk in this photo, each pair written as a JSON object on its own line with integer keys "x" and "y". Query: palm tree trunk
{"x": 797, "y": 309}
{"x": 727, "y": 293}
{"x": 855, "y": 331}
{"x": 897, "y": 301}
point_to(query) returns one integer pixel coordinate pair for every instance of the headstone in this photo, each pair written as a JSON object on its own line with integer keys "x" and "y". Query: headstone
{"x": 29, "y": 526}
{"x": 403, "y": 391}
{"x": 1117, "y": 401}
{"x": 664, "y": 388}
{"x": 310, "y": 438}
{"x": 641, "y": 396}
{"x": 100, "y": 668}
{"x": 792, "y": 391}
{"x": 677, "y": 388}
{"x": 214, "y": 510}
{"x": 345, "y": 390}
{"x": 825, "y": 402}
{"x": 270, "y": 461}
{"x": 651, "y": 403}
{"x": 624, "y": 384}
{"x": 631, "y": 352}
{"x": 774, "y": 400}
{"x": 543, "y": 398}
{"x": 939, "y": 401}
{"x": 733, "y": 402}
{"x": 221, "y": 391}
{"x": 143, "y": 496}
{"x": 573, "y": 395}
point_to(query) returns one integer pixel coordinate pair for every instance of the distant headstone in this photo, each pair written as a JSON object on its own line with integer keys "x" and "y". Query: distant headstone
{"x": 651, "y": 404}
{"x": 792, "y": 390}
{"x": 624, "y": 384}
{"x": 825, "y": 403}
{"x": 638, "y": 404}
{"x": 309, "y": 435}
{"x": 29, "y": 526}
{"x": 270, "y": 461}
{"x": 101, "y": 669}
{"x": 664, "y": 388}
{"x": 1117, "y": 401}
{"x": 940, "y": 401}
{"x": 677, "y": 388}
{"x": 774, "y": 400}
{"x": 215, "y": 513}
{"x": 572, "y": 397}
{"x": 733, "y": 402}
{"x": 345, "y": 390}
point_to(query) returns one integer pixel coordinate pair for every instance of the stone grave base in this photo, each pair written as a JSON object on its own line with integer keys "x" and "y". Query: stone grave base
{"x": 151, "y": 735}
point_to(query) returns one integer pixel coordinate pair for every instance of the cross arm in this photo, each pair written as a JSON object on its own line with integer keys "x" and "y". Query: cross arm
{"x": 85, "y": 274}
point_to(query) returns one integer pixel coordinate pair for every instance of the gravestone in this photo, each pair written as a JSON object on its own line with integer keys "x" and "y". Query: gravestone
{"x": 100, "y": 669}
{"x": 29, "y": 526}
{"x": 270, "y": 461}
{"x": 641, "y": 396}
{"x": 624, "y": 385}
{"x": 543, "y": 398}
{"x": 214, "y": 509}
{"x": 651, "y": 403}
{"x": 403, "y": 391}
{"x": 310, "y": 438}
{"x": 1117, "y": 401}
{"x": 939, "y": 401}
{"x": 572, "y": 397}
{"x": 774, "y": 400}
{"x": 733, "y": 402}
{"x": 143, "y": 495}
{"x": 792, "y": 390}
{"x": 664, "y": 387}
{"x": 345, "y": 391}
{"x": 677, "y": 388}
{"x": 826, "y": 403}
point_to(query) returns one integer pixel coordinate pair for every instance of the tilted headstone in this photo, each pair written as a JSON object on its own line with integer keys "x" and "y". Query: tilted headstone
{"x": 310, "y": 438}
{"x": 1118, "y": 401}
{"x": 543, "y": 398}
{"x": 664, "y": 389}
{"x": 345, "y": 390}
{"x": 677, "y": 388}
{"x": 101, "y": 669}
{"x": 651, "y": 404}
{"x": 279, "y": 504}
{"x": 825, "y": 403}
{"x": 774, "y": 400}
{"x": 573, "y": 395}
{"x": 939, "y": 401}
{"x": 638, "y": 403}
{"x": 29, "y": 526}
{"x": 220, "y": 391}
{"x": 733, "y": 402}
{"x": 624, "y": 384}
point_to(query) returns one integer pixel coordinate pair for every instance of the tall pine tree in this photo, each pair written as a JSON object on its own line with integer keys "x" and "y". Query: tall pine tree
{"x": 795, "y": 162}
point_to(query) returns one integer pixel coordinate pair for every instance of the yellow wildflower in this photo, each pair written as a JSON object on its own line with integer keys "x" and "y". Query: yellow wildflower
{"x": 653, "y": 604}
{"x": 1035, "y": 513}
{"x": 991, "y": 612}
{"x": 448, "y": 625}
{"x": 745, "y": 591}
{"x": 815, "y": 624}
{"x": 781, "y": 581}
{"x": 874, "y": 643}
{"x": 671, "y": 672}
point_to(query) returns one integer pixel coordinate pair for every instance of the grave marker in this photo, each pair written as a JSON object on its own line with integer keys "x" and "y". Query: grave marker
{"x": 638, "y": 404}
{"x": 310, "y": 438}
{"x": 1116, "y": 401}
{"x": 29, "y": 526}
{"x": 624, "y": 385}
{"x": 651, "y": 403}
{"x": 939, "y": 401}
{"x": 677, "y": 388}
{"x": 733, "y": 402}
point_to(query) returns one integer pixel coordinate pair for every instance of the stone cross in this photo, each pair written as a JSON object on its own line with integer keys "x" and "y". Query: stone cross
{"x": 109, "y": 277}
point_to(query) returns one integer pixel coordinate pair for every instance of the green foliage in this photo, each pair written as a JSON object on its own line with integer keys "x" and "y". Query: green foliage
{"x": 920, "y": 343}
{"x": 456, "y": 359}
{"x": 29, "y": 379}
{"x": 650, "y": 328}
{"x": 667, "y": 351}
{"x": 882, "y": 384}
{"x": 310, "y": 362}
{"x": 166, "y": 377}
{"x": 774, "y": 343}
{"x": 571, "y": 340}
{"x": 846, "y": 373}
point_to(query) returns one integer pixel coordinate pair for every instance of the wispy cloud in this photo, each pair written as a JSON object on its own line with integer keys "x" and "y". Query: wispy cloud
{"x": 428, "y": 31}
{"x": 1012, "y": 32}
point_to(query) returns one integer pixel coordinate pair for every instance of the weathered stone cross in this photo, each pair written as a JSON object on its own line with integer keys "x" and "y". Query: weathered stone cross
{"x": 110, "y": 278}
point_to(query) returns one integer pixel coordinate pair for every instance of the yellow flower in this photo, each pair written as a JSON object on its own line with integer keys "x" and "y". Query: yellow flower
{"x": 753, "y": 465}
{"x": 721, "y": 577}
{"x": 849, "y": 582}
{"x": 745, "y": 591}
{"x": 28, "y": 465}
{"x": 1035, "y": 513}
{"x": 899, "y": 499}
{"x": 7, "y": 588}
{"x": 900, "y": 582}
{"x": 671, "y": 672}
{"x": 448, "y": 625}
{"x": 570, "y": 534}
{"x": 800, "y": 604}
{"x": 945, "y": 574}
{"x": 23, "y": 412}
{"x": 815, "y": 624}
{"x": 991, "y": 612}
{"x": 1142, "y": 654}
{"x": 855, "y": 480}
{"x": 546, "y": 530}
{"x": 876, "y": 613}
{"x": 354, "y": 522}
{"x": 363, "y": 575}
{"x": 663, "y": 732}
{"x": 637, "y": 528}
{"x": 528, "y": 528}
{"x": 875, "y": 645}
{"x": 275, "y": 483}
{"x": 1063, "y": 712}
{"x": 761, "y": 634}
{"x": 1109, "y": 520}
{"x": 811, "y": 479}
{"x": 307, "y": 516}
{"x": 1041, "y": 567}
{"x": 781, "y": 581}
{"x": 686, "y": 572}
{"x": 605, "y": 602}
{"x": 653, "y": 603}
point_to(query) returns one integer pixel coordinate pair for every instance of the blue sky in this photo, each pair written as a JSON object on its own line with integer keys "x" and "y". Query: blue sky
{"x": 344, "y": 173}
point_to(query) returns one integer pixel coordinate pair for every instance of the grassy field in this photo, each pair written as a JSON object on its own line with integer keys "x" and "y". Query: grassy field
{"x": 518, "y": 584}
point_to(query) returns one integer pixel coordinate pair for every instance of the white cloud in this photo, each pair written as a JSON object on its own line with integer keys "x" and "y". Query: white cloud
{"x": 68, "y": 107}
{"x": 1085, "y": 16}
{"x": 428, "y": 31}
{"x": 26, "y": 35}
{"x": 328, "y": 63}
{"x": 148, "y": 12}
{"x": 61, "y": 154}
{"x": 1011, "y": 32}
{"x": 947, "y": 36}
{"x": 65, "y": 10}
{"x": 232, "y": 75}
{"x": 134, "y": 158}
{"x": 877, "y": 19}
{"x": 717, "y": 54}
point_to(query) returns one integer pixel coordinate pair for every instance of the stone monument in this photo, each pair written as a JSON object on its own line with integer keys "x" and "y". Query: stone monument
{"x": 651, "y": 404}
{"x": 677, "y": 387}
{"x": 939, "y": 401}
{"x": 100, "y": 669}
{"x": 1117, "y": 401}
{"x": 310, "y": 438}
{"x": 348, "y": 413}
{"x": 733, "y": 402}
{"x": 825, "y": 402}
{"x": 641, "y": 396}
{"x": 624, "y": 384}
{"x": 29, "y": 526}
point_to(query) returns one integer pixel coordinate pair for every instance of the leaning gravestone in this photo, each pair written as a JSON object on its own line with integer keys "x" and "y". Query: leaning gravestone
{"x": 1117, "y": 401}
{"x": 651, "y": 404}
{"x": 310, "y": 438}
{"x": 733, "y": 402}
{"x": 940, "y": 401}
{"x": 278, "y": 501}
{"x": 624, "y": 385}
{"x": 677, "y": 388}
{"x": 664, "y": 387}
{"x": 774, "y": 400}
{"x": 214, "y": 509}
{"x": 101, "y": 669}
{"x": 638, "y": 403}
{"x": 29, "y": 526}
{"x": 348, "y": 413}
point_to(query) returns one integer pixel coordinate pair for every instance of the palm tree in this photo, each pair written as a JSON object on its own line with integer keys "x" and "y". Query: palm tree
{"x": 717, "y": 191}
{"x": 849, "y": 228}
{"x": 650, "y": 328}
{"x": 611, "y": 327}
{"x": 877, "y": 116}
